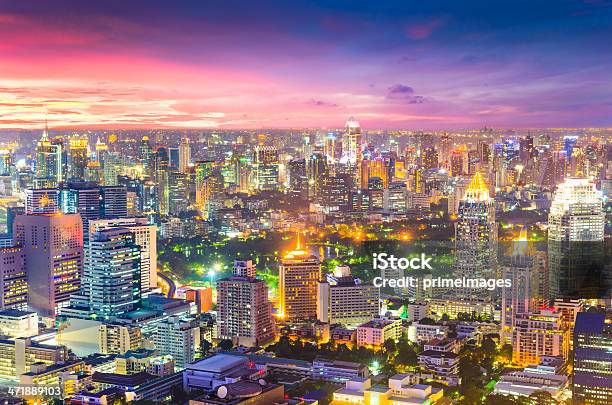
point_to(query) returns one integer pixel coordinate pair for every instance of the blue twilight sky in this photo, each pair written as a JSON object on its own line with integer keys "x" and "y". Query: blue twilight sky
{"x": 392, "y": 64}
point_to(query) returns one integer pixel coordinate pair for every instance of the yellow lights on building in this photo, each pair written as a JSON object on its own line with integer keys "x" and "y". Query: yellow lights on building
{"x": 477, "y": 189}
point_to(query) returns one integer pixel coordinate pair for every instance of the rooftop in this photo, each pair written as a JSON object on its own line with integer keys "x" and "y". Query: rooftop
{"x": 587, "y": 322}
{"x": 15, "y": 313}
{"x": 218, "y": 363}
{"x": 377, "y": 323}
{"x": 130, "y": 380}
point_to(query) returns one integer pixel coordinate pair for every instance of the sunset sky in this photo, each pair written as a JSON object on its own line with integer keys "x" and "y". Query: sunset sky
{"x": 261, "y": 64}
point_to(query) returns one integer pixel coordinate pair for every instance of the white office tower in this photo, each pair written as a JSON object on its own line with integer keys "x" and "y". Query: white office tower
{"x": 184, "y": 155}
{"x": 578, "y": 264}
{"x": 352, "y": 147}
{"x": 576, "y": 213}
{"x": 145, "y": 235}
{"x": 178, "y": 337}
{"x": 476, "y": 233}
{"x": 244, "y": 313}
{"x": 111, "y": 274}
{"x": 344, "y": 299}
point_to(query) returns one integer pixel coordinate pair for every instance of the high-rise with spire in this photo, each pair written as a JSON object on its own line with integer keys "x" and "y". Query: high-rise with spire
{"x": 299, "y": 274}
{"x": 48, "y": 161}
{"x": 476, "y": 232}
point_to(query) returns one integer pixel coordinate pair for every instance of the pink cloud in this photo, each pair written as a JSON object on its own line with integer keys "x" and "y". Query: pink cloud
{"x": 423, "y": 30}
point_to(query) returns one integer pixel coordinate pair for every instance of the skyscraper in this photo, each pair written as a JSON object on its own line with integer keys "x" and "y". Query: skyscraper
{"x": 13, "y": 278}
{"x": 184, "y": 155}
{"x": 525, "y": 268}
{"x": 592, "y": 381}
{"x": 576, "y": 213}
{"x": 578, "y": 267}
{"x": 299, "y": 274}
{"x": 93, "y": 201}
{"x": 42, "y": 201}
{"x": 265, "y": 164}
{"x": 476, "y": 232}
{"x": 178, "y": 192}
{"x": 113, "y": 202}
{"x": 243, "y": 310}
{"x": 110, "y": 284}
{"x": 53, "y": 247}
{"x": 145, "y": 235}
{"x": 352, "y": 146}
{"x": 77, "y": 158}
{"x": 48, "y": 160}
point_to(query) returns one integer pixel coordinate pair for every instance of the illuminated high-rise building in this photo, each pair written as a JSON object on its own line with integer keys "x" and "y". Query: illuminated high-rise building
{"x": 298, "y": 178}
{"x": 332, "y": 148}
{"x": 77, "y": 158}
{"x": 266, "y": 165}
{"x": 145, "y": 154}
{"x": 53, "y": 247}
{"x": 184, "y": 155}
{"x": 299, "y": 274}
{"x": 110, "y": 285}
{"x": 317, "y": 170}
{"x": 145, "y": 236}
{"x": 42, "y": 201}
{"x": 456, "y": 163}
{"x": 524, "y": 267}
{"x": 93, "y": 202}
{"x": 344, "y": 299}
{"x": 476, "y": 232}
{"x": 13, "y": 278}
{"x": 111, "y": 168}
{"x": 576, "y": 213}
{"x": 592, "y": 379}
{"x": 5, "y": 162}
{"x": 484, "y": 151}
{"x": 578, "y": 267}
{"x": 243, "y": 310}
{"x": 178, "y": 337}
{"x": 446, "y": 145}
{"x": 430, "y": 158}
{"x": 377, "y": 168}
{"x": 178, "y": 192}
{"x": 335, "y": 192}
{"x": 203, "y": 170}
{"x": 352, "y": 146}
{"x": 537, "y": 334}
{"x": 48, "y": 161}
{"x": 473, "y": 158}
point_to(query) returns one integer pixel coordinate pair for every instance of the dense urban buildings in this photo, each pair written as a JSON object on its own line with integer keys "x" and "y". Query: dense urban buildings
{"x": 149, "y": 256}
{"x": 306, "y": 203}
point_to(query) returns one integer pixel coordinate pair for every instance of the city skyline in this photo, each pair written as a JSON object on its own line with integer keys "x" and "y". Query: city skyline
{"x": 278, "y": 65}
{"x": 306, "y": 203}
